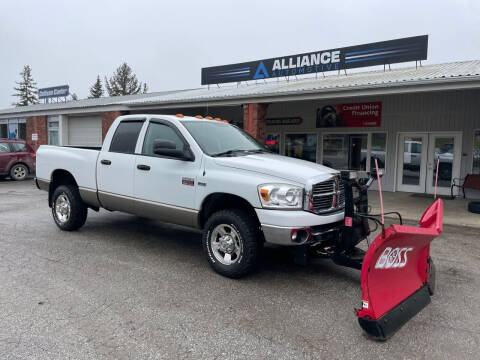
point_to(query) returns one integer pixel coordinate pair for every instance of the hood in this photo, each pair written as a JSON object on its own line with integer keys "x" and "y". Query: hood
{"x": 277, "y": 165}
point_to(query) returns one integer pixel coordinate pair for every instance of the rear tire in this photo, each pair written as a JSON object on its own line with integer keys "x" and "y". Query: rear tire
{"x": 18, "y": 172}
{"x": 474, "y": 207}
{"x": 68, "y": 209}
{"x": 231, "y": 243}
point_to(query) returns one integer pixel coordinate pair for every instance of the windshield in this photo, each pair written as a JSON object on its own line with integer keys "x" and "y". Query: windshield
{"x": 220, "y": 139}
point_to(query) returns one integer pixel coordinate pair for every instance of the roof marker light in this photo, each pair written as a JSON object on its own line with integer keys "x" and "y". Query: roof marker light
{"x": 218, "y": 119}
{"x": 209, "y": 118}
{"x": 179, "y": 115}
{"x": 199, "y": 116}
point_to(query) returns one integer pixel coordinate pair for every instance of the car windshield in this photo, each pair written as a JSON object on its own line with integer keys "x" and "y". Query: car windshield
{"x": 221, "y": 139}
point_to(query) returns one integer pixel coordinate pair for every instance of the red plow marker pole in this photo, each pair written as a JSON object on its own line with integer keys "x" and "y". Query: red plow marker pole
{"x": 380, "y": 191}
{"x": 436, "y": 179}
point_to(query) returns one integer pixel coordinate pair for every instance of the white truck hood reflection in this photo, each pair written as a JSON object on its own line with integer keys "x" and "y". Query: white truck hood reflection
{"x": 278, "y": 166}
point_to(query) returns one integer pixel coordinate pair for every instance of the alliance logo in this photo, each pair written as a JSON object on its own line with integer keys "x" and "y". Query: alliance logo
{"x": 393, "y": 258}
{"x": 261, "y": 72}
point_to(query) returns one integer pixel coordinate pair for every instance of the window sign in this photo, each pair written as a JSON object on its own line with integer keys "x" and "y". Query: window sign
{"x": 13, "y": 131}
{"x": 272, "y": 142}
{"x": 301, "y": 146}
{"x": 476, "y": 152}
{"x": 367, "y": 114}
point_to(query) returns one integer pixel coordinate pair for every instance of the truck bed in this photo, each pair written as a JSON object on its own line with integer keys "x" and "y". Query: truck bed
{"x": 81, "y": 162}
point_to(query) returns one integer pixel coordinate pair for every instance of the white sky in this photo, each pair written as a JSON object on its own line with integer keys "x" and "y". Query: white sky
{"x": 167, "y": 43}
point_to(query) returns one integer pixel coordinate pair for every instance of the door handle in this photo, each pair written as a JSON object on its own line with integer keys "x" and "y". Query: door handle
{"x": 105, "y": 162}
{"x": 143, "y": 167}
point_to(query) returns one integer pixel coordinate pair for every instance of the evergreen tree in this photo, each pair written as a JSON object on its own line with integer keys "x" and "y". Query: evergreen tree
{"x": 26, "y": 89}
{"x": 123, "y": 82}
{"x": 96, "y": 90}
{"x": 145, "y": 88}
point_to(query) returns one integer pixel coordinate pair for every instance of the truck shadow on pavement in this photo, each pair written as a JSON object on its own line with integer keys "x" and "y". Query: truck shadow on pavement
{"x": 183, "y": 243}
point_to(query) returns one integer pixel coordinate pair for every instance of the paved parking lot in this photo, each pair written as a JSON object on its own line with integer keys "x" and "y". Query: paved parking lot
{"x": 124, "y": 287}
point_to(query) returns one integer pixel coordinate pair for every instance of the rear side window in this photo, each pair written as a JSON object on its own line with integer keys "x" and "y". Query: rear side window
{"x": 19, "y": 147}
{"x": 4, "y": 148}
{"x": 126, "y": 136}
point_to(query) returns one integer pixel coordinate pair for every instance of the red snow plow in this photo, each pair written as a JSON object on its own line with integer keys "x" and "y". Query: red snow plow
{"x": 397, "y": 272}
{"x": 398, "y": 275}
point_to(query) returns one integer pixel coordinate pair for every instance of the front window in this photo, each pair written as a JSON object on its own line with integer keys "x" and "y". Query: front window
{"x": 53, "y": 122}
{"x": 301, "y": 146}
{"x": 353, "y": 152}
{"x": 476, "y": 152}
{"x": 217, "y": 138}
{"x": 157, "y": 131}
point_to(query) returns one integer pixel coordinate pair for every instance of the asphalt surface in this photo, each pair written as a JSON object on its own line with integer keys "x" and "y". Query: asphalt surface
{"x": 123, "y": 287}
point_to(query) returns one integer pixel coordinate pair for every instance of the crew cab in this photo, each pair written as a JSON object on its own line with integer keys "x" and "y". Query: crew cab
{"x": 197, "y": 172}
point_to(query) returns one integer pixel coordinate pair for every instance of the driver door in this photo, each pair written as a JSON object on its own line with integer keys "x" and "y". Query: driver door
{"x": 164, "y": 187}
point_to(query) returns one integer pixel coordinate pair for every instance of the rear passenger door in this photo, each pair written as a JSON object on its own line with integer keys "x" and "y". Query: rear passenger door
{"x": 115, "y": 167}
{"x": 5, "y": 157}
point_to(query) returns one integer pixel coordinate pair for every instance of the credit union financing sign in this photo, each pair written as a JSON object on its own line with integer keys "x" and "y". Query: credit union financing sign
{"x": 53, "y": 92}
{"x": 379, "y": 53}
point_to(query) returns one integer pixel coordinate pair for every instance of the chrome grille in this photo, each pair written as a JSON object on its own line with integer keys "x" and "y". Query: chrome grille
{"x": 327, "y": 196}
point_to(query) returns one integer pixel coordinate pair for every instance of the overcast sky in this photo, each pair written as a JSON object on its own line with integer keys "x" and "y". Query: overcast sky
{"x": 168, "y": 42}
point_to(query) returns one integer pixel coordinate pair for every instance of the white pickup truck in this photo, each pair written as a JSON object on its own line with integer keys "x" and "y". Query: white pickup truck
{"x": 200, "y": 173}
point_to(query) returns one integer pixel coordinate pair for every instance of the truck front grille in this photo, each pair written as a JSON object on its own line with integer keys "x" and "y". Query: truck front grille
{"x": 327, "y": 196}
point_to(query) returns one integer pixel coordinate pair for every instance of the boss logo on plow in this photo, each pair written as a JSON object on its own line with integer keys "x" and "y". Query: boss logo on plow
{"x": 393, "y": 258}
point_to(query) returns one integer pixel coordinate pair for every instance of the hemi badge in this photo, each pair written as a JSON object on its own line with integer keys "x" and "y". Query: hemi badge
{"x": 188, "y": 181}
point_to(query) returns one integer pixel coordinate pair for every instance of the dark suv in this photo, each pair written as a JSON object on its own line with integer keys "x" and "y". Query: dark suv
{"x": 17, "y": 159}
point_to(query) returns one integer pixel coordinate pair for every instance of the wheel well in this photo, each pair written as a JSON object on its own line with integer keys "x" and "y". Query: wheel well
{"x": 221, "y": 201}
{"x": 59, "y": 177}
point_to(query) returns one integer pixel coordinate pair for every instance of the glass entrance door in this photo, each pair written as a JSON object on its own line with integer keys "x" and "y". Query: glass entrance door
{"x": 412, "y": 162}
{"x": 446, "y": 151}
{"x": 417, "y": 162}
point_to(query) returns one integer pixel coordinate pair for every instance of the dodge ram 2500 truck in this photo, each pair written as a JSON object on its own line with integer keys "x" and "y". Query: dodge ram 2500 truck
{"x": 200, "y": 173}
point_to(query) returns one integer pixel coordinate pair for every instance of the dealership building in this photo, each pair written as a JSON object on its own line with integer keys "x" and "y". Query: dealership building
{"x": 408, "y": 118}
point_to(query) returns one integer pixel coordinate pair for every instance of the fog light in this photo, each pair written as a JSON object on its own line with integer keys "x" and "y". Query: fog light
{"x": 300, "y": 236}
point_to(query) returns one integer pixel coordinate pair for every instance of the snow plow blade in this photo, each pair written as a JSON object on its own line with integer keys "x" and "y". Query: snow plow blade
{"x": 398, "y": 276}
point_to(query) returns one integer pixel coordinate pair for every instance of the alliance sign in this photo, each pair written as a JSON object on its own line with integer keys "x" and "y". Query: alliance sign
{"x": 379, "y": 53}
{"x": 54, "y": 92}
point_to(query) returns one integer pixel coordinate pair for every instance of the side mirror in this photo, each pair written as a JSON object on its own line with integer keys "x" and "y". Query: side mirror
{"x": 169, "y": 148}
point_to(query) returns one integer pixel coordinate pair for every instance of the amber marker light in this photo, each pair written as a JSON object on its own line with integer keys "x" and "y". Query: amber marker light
{"x": 209, "y": 118}
{"x": 179, "y": 115}
{"x": 264, "y": 194}
{"x": 199, "y": 116}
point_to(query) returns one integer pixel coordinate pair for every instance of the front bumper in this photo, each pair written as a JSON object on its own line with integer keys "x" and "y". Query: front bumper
{"x": 278, "y": 226}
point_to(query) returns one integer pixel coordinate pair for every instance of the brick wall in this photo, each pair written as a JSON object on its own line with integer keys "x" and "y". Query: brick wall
{"x": 37, "y": 125}
{"x": 108, "y": 117}
{"x": 254, "y": 120}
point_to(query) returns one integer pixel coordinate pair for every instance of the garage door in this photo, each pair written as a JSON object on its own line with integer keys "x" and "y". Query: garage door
{"x": 85, "y": 130}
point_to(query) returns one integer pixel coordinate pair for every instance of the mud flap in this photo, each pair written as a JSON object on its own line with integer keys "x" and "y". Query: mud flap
{"x": 398, "y": 275}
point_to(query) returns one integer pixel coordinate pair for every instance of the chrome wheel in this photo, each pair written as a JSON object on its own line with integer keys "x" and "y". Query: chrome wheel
{"x": 226, "y": 244}
{"x": 19, "y": 172}
{"x": 62, "y": 208}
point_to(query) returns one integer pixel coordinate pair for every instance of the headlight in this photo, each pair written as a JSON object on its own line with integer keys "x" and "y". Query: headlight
{"x": 281, "y": 196}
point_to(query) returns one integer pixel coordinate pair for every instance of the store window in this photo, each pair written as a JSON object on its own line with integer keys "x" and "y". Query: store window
{"x": 476, "y": 152}
{"x": 53, "y": 122}
{"x": 352, "y": 152}
{"x": 272, "y": 142}
{"x": 4, "y": 130}
{"x": 301, "y": 146}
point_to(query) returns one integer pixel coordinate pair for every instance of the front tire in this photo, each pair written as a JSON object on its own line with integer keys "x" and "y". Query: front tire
{"x": 18, "y": 172}
{"x": 231, "y": 243}
{"x": 68, "y": 209}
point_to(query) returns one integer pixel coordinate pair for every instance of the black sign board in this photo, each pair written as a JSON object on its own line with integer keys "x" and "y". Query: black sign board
{"x": 379, "y": 53}
{"x": 284, "y": 121}
{"x": 53, "y": 92}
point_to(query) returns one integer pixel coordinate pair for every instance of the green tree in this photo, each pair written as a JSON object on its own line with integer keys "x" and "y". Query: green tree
{"x": 96, "y": 90}
{"x": 27, "y": 88}
{"x": 123, "y": 82}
